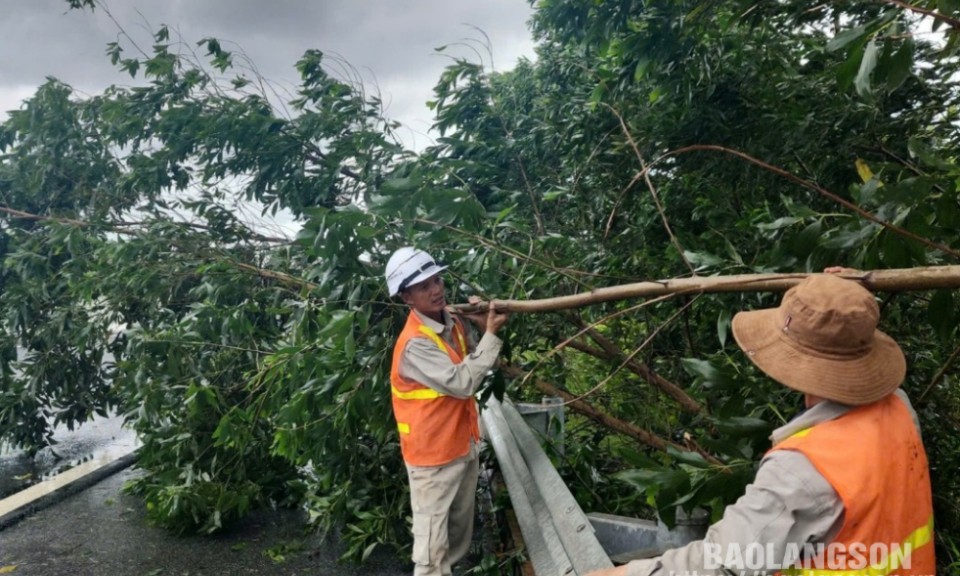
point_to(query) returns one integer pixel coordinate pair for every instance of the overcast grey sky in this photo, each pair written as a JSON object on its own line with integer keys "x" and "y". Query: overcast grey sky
{"x": 390, "y": 42}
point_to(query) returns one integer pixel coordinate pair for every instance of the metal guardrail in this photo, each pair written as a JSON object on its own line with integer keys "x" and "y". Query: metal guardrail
{"x": 559, "y": 537}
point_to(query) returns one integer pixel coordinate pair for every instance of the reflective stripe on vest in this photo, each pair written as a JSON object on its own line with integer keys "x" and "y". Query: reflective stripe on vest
{"x": 424, "y": 394}
{"x": 429, "y": 333}
{"x": 919, "y": 537}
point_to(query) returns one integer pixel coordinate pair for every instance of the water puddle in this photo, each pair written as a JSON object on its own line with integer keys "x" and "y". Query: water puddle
{"x": 89, "y": 446}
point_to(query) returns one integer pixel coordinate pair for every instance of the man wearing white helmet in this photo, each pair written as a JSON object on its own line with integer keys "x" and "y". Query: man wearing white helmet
{"x": 436, "y": 371}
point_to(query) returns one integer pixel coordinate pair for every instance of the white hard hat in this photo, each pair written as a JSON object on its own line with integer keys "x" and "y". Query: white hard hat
{"x": 408, "y": 266}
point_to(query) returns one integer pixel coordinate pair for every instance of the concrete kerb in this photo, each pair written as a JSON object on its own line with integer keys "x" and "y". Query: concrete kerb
{"x": 53, "y": 490}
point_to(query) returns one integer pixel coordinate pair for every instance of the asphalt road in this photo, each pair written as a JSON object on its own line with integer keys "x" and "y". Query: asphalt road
{"x": 101, "y": 531}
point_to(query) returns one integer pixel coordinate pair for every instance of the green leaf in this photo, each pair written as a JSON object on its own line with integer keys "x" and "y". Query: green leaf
{"x": 743, "y": 426}
{"x": 705, "y": 372}
{"x": 654, "y": 479}
{"x": 949, "y": 7}
{"x": 367, "y": 551}
{"x": 349, "y": 345}
{"x": 797, "y": 209}
{"x": 848, "y": 70}
{"x": 723, "y": 326}
{"x": 640, "y": 70}
{"x": 921, "y": 150}
{"x": 703, "y": 260}
{"x": 867, "y": 65}
{"x": 941, "y": 312}
{"x": 844, "y": 38}
{"x": 845, "y": 239}
{"x": 805, "y": 242}
{"x": 689, "y": 458}
{"x": 779, "y": 223}
{"x": 597, "y": 95}
{"x": 900, "y": 66}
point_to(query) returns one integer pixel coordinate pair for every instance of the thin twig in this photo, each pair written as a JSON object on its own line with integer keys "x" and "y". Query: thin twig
{"x": 645, "y": 173}
{"x": 629, "y": 358}
{"x": 909, "y": 165}
{"x": 616, "y": 205}
{"x": 584, "y": 330}
{"x": 533, "y": 200}
{"x": 37, "y": 218}
{"x": 610, "y": 351}
{"x": 570, "y": 274}
{"x": 811, "y": 186}
{"x": 943, "y": 370}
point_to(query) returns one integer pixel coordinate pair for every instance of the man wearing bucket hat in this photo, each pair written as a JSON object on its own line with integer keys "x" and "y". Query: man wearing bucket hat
{"x": 436, "y": 371}
{"x": 845, "y": 488}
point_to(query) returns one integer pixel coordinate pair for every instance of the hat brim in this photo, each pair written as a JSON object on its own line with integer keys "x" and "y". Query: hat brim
{"x": 854, "y": 381}
{"x": 425, "y": 275}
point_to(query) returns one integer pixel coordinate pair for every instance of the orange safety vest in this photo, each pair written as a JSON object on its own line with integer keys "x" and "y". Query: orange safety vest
{"x": 874, "y": 459}
{"x": 434, "y": 428}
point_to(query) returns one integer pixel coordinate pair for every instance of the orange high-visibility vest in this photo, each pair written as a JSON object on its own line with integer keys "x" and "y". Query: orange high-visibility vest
{"x": 434, "y": 428}
{"x": 874, "y": 458}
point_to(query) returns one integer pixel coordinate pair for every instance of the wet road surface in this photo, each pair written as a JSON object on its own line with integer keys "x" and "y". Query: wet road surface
{"x": 101, "y": 438}
{"x": 101, "y": 531}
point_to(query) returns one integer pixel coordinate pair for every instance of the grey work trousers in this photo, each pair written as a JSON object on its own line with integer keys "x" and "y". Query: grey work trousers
{"x": 443, "y": 500}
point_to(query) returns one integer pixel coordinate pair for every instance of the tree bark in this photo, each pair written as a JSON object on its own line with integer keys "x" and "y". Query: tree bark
{"x": 893, "y": 280}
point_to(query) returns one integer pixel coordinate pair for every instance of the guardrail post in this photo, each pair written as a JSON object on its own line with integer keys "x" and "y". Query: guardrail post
{"x": 547, "y": 418}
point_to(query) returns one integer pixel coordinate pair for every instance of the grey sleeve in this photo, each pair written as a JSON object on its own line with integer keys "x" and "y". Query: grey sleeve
{"x": 424, "y": 362}
{"x": 913, "y": 413}
{"x": 789, "y": 503}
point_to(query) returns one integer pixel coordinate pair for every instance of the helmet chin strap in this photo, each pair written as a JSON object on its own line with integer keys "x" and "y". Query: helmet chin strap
{"x": 406, "y": 281}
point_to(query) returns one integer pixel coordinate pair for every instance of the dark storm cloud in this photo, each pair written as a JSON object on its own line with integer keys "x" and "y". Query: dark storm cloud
{"x": 389, "y": 42}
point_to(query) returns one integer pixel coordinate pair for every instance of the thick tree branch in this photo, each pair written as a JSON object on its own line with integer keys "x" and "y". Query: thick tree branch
{"x": 893, "y": 280}
{"x": 950, "y": 21}
{"x": 606, "y": 420}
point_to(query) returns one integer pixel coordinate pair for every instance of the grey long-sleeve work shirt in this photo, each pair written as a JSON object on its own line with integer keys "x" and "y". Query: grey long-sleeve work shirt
{"x": 788, "y": 502}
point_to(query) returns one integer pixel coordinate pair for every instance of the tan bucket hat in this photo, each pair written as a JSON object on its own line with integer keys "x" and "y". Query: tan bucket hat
{"x": 823, "y": 340}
